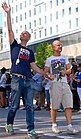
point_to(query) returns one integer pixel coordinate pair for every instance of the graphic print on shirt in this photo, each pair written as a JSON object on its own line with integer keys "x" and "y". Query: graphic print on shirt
{"x": 57, "y": 65}
{"x": 24, "y": 54}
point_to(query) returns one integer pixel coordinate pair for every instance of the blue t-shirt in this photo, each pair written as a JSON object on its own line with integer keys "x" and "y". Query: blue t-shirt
{"x": 37, "y": 82}
{"x": 79, "y": 77}
{"x": 21, "y": 58}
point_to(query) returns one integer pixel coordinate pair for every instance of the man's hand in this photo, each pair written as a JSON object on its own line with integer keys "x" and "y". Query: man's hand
{"x": 6, "y": 7}
{"x": 51, "y": 76}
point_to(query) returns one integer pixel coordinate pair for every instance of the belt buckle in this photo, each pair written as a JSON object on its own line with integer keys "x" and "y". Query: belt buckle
{"x": 22, "y": 76}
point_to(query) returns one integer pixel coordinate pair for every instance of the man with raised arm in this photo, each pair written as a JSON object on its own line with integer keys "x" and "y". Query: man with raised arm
{"x": 23, "y": 60}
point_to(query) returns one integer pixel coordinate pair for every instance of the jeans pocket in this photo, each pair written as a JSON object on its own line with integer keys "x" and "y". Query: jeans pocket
{"x": 14, "y": 83}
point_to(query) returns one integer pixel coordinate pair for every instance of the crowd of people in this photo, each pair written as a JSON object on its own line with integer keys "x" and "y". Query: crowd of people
{"x": 51, "y": 81}
{"x": 5, "y": 88}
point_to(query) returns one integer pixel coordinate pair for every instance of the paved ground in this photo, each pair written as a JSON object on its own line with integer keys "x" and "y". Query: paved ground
{"x": 42, "y": 125}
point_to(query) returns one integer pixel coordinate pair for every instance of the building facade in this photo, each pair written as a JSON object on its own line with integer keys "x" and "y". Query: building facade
{"x": 46, "y": 21}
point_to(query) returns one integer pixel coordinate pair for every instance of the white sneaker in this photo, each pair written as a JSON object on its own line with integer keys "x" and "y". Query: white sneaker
{"x": 71, "y": 130}
{"x": 79, "y": 111}
{"x": 55, "y": 129}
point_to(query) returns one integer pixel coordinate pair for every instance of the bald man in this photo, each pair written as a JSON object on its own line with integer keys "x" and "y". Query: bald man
{"x": 56, "y": 69}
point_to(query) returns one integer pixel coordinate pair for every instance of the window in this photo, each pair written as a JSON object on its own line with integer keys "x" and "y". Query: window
{"x": 25, "y": 3}
{"x": 5, "y": 24}
{"x": 62, "y": 1}
{"x": 69, "y": 10}
{"x": 16, "y": 19}
{"x": 76, "y": 22}
{"x": 29, "y": 2}
{"x": 56, "y": 2}
{"x": 29, "y": 13}
{"x": 56, "y": 14}
{"x": 20, "y": 17}
{"x": 34, "y": 35}
{"x": 62, "y": 12}
{"x": 34, "y": 23}
{"x": 25, "y": 15}
{"x": 12, "y": 10}
{"x": 25, "y": 27}
{"x": 8, "y": 1}
{"x": 12, "y": 20}
{"x": 20, "y": 6}
{"x": 45, "y": 32}
{"x": 69, "y": 24}
{"x": 16, "y": 8}
{"x": 20, "y": 27}
{"x": 50, "y": 30}
{"x": 34, "y": 1}
{"x": 4, "y": 34}
{"x": 34, "y": 11}
{"x": 16, "y": 30}
{"x": 76, "y": 9}
{"x": 45, "y": 7}
{"x": 56, "y": 28}
{"x": 50, "y": 17}
{"x": 39, "y": 21}
{"x": 45, "y": 19}
{"x": 39, "y": 9}
{"x": 29, "y": 25}
{"x": 51, "y": 4}
{"x": 40, "y": 34}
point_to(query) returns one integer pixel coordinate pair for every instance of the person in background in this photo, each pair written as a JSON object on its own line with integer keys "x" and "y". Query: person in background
{"x": 23, "y": 60}
{"x": 8, "y": 88}
{"x": 78, "y": 80}
{"x": 73, "y": 86}
{"x": 56, "y": 69}
{"x": 46, "y": 84}
{"x": 37, "y": 78}
{"x": 3, "y": 87}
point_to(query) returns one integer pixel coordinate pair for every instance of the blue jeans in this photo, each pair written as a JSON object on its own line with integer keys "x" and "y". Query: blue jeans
{"x": 47, "y": 96}
{"x": 19, "y": 86}
{"x": 8, "y": 97}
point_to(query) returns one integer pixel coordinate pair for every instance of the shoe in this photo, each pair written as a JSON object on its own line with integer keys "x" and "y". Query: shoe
{"x": 48, "y": 109}
{"x": 37, "y": 109}
{"x": 79, "y": 111}
{"x": 71, "y": 130}
{"x": 32, "y": 134}
{"x": 9, "y": 129}
{"x": 60, "y": 110}
{"x": 55, "y": 129}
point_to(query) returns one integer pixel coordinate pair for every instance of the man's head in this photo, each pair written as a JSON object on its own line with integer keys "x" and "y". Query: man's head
{"x": 3, "y": 70}
{"x": 25, "y": 36}
{"x": 57, "y": 46}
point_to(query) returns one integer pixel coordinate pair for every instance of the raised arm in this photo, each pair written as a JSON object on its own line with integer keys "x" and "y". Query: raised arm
{"x": 7, "y": 9}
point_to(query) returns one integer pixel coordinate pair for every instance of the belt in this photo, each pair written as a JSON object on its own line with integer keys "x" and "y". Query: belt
{"x": 19, "y": 76}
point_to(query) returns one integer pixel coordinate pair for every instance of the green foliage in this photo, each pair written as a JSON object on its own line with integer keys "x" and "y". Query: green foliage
{"x": 43, "y": 52}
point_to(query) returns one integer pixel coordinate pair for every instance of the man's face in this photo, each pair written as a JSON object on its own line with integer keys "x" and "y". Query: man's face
{"x": 57, "y": 46}
{"x": 25, "y": 36}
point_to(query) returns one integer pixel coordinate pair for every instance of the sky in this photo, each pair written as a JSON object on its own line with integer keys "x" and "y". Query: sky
{"x": 1, "y": 1}
{"x": 0, "y": 19}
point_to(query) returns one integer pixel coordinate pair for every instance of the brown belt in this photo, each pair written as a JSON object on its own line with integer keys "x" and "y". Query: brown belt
{"x": 19, "y": 76}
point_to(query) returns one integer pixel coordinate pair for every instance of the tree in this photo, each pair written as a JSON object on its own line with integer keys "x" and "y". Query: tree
{"x": 43, "y": 52}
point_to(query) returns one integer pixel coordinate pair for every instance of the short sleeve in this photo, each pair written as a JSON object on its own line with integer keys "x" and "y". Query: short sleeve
{"x": 47, "y": 63}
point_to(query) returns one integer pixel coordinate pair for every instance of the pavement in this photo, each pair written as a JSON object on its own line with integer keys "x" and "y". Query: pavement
{"x": 42, "y": 125}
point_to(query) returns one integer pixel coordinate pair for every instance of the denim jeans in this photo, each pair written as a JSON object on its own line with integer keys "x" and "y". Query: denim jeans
{"x": 8, "y": 97}
{"x": 19, "y": 86}
{"x": 47, "y": 96}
